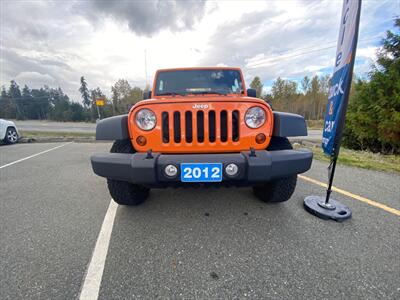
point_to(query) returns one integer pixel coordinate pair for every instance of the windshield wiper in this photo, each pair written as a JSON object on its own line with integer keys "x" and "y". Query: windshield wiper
{"x": 209, "y": 92}
{"x": 171, "y": 94}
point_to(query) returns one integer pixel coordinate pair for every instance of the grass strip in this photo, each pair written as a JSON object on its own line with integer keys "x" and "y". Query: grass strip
{"x": 315, "y": 124}
{"x": 55, "y": 134}
{"x": 361, "y": 159}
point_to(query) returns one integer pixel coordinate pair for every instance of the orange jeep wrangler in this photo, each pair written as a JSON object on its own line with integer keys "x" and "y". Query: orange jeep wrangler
{"x": 200, "y": 126}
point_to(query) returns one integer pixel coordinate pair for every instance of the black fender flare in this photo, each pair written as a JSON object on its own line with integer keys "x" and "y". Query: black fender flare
{"x": 113, "y": 128}
{"x": 287, "y": 124}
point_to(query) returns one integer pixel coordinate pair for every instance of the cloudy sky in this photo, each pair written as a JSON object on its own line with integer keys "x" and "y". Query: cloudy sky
{"x": 56, "y": 42}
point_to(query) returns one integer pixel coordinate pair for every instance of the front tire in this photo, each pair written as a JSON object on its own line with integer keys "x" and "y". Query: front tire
{"x": 11, "y": 136}
{"x": 123, "y": 192}
{"x": 278, "y": 190}
{"x": 126, "y": 193}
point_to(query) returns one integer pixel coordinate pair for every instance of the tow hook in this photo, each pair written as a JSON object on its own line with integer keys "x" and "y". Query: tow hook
{"x": 252, "y": 152}
{"x": 149, "y": 154}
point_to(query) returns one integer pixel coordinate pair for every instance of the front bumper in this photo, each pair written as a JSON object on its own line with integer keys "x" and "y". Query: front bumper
{"x": 148, "y": 170}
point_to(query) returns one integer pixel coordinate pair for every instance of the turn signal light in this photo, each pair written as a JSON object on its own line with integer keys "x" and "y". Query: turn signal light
{"x": 260, "y": 138}
{"x": 141, "y": 140}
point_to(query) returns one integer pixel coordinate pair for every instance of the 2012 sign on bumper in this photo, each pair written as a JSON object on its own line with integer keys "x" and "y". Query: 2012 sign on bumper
{"x": 201, "y": 172}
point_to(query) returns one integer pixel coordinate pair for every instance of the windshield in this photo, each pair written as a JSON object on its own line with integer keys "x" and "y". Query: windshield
{"x": 213, "y": 81}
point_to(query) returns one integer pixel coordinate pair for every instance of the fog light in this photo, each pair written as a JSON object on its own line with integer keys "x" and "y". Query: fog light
{"x": 260, "y": 138}
{"x": 231, "y": 169}
{"x": 141, "y": 140}
{"x": 171, "y": 170}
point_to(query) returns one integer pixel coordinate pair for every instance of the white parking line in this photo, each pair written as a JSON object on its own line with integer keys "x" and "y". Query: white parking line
{"x": 28, "y": 157}
{"x": 91, "y": 285}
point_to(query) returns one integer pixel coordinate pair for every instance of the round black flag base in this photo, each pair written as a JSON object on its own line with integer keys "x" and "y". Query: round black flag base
{"x": 333, "y": 210}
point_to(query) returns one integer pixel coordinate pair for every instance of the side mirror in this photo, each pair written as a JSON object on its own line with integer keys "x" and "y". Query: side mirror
{"x": 251, "y": 93}
{"x": 146, "y": 95}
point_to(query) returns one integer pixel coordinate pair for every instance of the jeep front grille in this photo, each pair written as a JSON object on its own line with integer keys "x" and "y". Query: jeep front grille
{"x": 184, "y": 127}
{"x": 200, "y": 126}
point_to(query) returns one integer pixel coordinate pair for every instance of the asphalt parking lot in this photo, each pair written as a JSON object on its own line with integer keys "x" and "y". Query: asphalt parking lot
{"x": 189, "y": 243}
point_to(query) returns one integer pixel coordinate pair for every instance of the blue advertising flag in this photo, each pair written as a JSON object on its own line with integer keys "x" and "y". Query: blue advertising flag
{"x": 342, "y": 75}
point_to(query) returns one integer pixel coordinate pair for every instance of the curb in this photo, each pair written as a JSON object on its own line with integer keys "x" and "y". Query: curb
{"x": 24, "y": 140}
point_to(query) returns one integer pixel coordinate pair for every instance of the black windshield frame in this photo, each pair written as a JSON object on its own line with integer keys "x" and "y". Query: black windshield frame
{"x": 199, "y": 82}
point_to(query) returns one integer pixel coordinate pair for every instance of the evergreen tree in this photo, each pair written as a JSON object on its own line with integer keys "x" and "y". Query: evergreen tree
{"x": 305, "y": 84}
{"x": 284, "y": 94}
{"x": 7, "y": 106}
{"x": 373, "y": 117}
{"x": 86, "y": 101}
{"x": 257, "y": 85}
{"x": 121, "y": 92}
{"x": 15, "y": 94}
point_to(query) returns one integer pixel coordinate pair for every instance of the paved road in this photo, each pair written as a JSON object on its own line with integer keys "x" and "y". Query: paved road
{"x": 185, "y": 243}
{"x": 34, "y": 125}
{"x": 314, "y": 135}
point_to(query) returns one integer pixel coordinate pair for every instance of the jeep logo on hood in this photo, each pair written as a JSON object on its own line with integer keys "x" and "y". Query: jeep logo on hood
{"x": 200, "y": 106}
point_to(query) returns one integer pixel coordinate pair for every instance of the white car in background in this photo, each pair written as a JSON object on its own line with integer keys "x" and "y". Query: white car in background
{"x": 8, "y": 132}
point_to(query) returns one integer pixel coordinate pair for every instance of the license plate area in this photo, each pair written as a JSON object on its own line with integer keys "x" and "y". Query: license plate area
{"x": 201, "y": 172}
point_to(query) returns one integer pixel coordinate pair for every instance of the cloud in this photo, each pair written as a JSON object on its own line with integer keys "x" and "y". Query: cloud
{"x": 367, "y": 52}
{"x": 147, "y": 18}
{"x": 33, "y": 31}
{"x": 266, "y": 42}
{"x": 56, "y": 42}
{"x": 293, "y": 38}
{"x": 36, "y": 72}
{"x": 35, "y": 79}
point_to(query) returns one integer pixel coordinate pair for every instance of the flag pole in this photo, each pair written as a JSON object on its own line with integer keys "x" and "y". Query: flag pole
{"x": 327, "y": 208}
{"x": 338, "y": 140}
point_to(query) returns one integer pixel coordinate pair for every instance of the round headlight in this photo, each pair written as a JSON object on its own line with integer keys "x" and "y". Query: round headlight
{"x": 255, "y": 117}
{"x": 145, "y": 119}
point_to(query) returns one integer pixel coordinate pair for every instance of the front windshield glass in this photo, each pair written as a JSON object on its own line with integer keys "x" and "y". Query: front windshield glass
{"x": 213, "y": 81}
